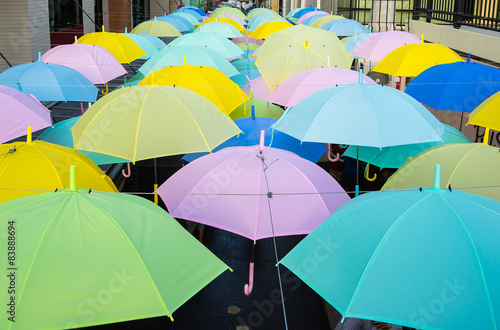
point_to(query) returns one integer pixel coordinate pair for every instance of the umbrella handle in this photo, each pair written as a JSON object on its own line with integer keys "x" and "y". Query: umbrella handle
{"x": 127, "y": 175}
{"x": 333, "y": 160}
{"x": 107, "y": 91}
{"x": 249, "y": 287}
{"x": 367, "y": 176}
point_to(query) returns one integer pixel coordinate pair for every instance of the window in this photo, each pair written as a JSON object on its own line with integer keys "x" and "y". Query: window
{"x": 64, "y": 14}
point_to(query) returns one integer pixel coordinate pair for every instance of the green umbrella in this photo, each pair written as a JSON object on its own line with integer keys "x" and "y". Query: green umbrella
{"x": 85, "y": 258}
{"x": 262, "y": 109}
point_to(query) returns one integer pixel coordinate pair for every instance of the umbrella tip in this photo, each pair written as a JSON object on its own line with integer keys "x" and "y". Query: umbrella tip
{"x": 29, "y": 137}
{"x": 422, "y": 38}
{"x": 262, "y": 138}
{"x": 437, "y": 176}
{"x": 306, "y": 45}
{"x": 468, "y": 58}
{"x": 360, "y": 77}
{"x": 72, "y": 178}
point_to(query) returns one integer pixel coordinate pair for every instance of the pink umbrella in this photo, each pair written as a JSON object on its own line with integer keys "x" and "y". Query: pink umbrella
{"x": 253, "y": 191}
{"x": 94, "y": 62}
{"x": 259, "y": 88}
{"x": 377, "y": 45}
{"x": 309, "y": 14}
{"x": 303, "y": 84}
{"x": 241, "y": 40}
{"x": 18, "y": 111}
{"x": 234, "y": 17}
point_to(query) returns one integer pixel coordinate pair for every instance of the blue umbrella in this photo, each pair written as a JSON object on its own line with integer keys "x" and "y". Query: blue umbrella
{"x": 178, "y": 23}
{"x": 459, "y": 86}
{"x": 345, "y": 27}
{"x": 251, "y": 128}
{"x": 60, "y": 134}
{"x": 260, "y": 19}
{"x": 260, "y": 16}
{"x": 186, "y": 18}
{"x": 423, "y": 258}
{"x": 190, "y": 11}
{"x": 308, "y": 21}
{"x": 49, "y": 82}
{"x": 196, "y": 9}
{"x": 244, "y": 64}
{"x": 304, "y": 11}
{"x": 241, "y": 78}
{"x": 149, "y": 43}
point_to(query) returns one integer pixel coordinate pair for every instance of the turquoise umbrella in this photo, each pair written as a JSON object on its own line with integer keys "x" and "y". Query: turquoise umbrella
{"x": 244, "y": 64}
{"x": 190, "y": 11}
{"x": 194, "y": 55}
{"x": 260, "y": 16}
{"x": 219, "y": 28}
{"x": 217, "y": 43}
{"x": 190, "y": 18}
{"x": 353, "y": 41}
{"x": 423, "y": 258}
{"x": 60, "y": 134}
{"x": 177, "y": 23}
{"x": 242, "y": 80}
{"x": 345, "y": 27}
{"x": 260, "y": 19}
{"x": 395, "y": 157}
{"x": 149, "y": 43}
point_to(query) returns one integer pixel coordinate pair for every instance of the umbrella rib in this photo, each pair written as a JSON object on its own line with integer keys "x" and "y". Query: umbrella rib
{"x": 467, "y": 155}
{"x": 143, "y": 100}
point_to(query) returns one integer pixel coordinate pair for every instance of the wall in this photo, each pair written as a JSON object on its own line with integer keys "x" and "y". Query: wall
{"x": 88, "y": 6}
{"x": 120, "y": 15}
{"x": 155, "y": 9}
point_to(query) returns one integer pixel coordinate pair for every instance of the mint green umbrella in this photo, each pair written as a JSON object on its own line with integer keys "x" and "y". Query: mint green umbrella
{"x": 424, "y": 258}
{"x": 86, "y": 257}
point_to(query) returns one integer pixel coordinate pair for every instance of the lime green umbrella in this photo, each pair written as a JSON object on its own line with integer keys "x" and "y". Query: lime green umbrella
{"x": 262, "y": 109}
{"x": 85, "y": 258}
{"x": 229, "y": 10}
{"x": 469, "y": 167}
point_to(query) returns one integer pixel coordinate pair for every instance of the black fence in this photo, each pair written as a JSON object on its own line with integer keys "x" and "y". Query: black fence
{"x": 478, "y": 13}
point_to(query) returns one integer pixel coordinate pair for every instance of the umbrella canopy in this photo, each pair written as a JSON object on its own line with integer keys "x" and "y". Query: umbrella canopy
{"x": 468, "y": 167}
{"x": 191, "y": 11}
{"x": 95, "y": 62}
{"x": 60, "y": 134}
{"x": 459, "y": 86}
{"x": 261, "y": 108}
{"x": 351, "y": 42}
{"x": 247, "y": 39}
{"x": 298, "y": 49}
{"x": 260, "y": 16}
{"x": 311, "y": 14}
{"x": 267, "y": 18}
{"x": 229, "y": 10}
{"x": 258, "y": 88}
{"x": 314, "y": 16}
{"x": 266, "y": 29}
{"x": 419, "y": 258}
{"x": 242, "y": 78}
{"x": 303, "y": 11}
{"x": 234, "y": 17}
{"x": 256, "y": 53}
{"x": 113, "y": 257}
{"x": 217, "y": 43}
{"x": 190, "y": 123}
{"x": 376, "y": 46}
{"x": 299, "y": 86}
{"x": 194, "y": 55}
{"x": 397, "y": 156}
{"x": 20, "y": 111}
{"x": 150, "y": 44}
{"x": 345, "y": 27}
{"x": 240, "y": 203}
{"x": 292, "y": 12}
{"x": 157, "y": 28}
{"x": 195, "y": 9}
{"x": 486, "y": 114}
{"x": 324, "y": 19}
{"x": 124, "y": 49}
{"x": 411, "y": 60}
{"x": 384, "y": 115}
{"x": 222, "y": 29}
{"x": 251, "y": 128}
{"x": 188, "y": 17}
{"x": 32, "y": 167}
{"x": 49, "y": 82}
{"x": 258, "y": 11}
{"x": 178, "y": 23}
{"x": 226, "y": 20}
{"x": 204, "y": 80}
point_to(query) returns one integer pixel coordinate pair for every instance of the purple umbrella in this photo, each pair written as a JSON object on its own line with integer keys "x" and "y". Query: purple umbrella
{"x": 377, "y": 45}
{"x": 18, "y": 111}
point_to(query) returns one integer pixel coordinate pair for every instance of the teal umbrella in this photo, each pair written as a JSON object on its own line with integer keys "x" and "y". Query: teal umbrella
{"x": 170, "y": 56}
{"x": 188, "y": 17}
{"x": 60, "y": 134}
{"x": 243, "y": 64}
{"x": 149, "y": 43}
{"x": 424, "y": 258}
{"x": 222, "y": 29}
{"x": 217, "y": 43}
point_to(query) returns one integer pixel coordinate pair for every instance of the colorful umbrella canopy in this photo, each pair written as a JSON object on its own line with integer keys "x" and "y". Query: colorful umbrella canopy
{"x": 260, "y": 16}
{"x": 459, "y": 86}
{"x": 397, "y": 156}
{"x": 228, "y": 10}
{"x": 351, "y": 42}
{"x": 384, "y": 115}
{"x": 60, "y": 134}
{"x": 244, "y": 64}
{"x": 179, "y": 24}
{"x": 226, "y": 20}
{"x": 376, "y": 46}
{"x": 204, "y": 80}
{"x": 345, "y": 27}
{"x": 33, "y": 167}
{"x": 258, "y": 88}
{"x": 234, "y": 17}
{"x": 251, "y": 128}
{"x": 247, "y": 39}
{"x": 190, "y": 123}
{"x": 259, "y": 11}
{"x": 124, "y": 49}
{"x": 222, "y": 29}
{"x": 486, "y": 114}
{"x": 422, "y": 258}
{"x": 191, "y": 11}
{"x": 292, "y": 12}
{"x": 157, "y": 28}
{"x": 49, "y": 82}
{"x": 193, "y": 54}
{"x": 411, "y": 60}
{"x": 242, "y": 78}
{"x": 195, "y": 9}
{"x": 468, "y": 167}
{"x": 262, "y": 19}
{"x": 314, "y": 16}
{"x": 311, "y": 14}
{"x": 20, "y": 111}
{"x": 113, "y": 257}
{"x": 188, "y": 17}
{"x": 298, "y": 49}
{"x": 94, "y": 62}
{"x": 266, "y": 29}
{"x": 261, "y": 109}
{"x": 217, "y": 43}
{"x": 150, "y": 44}
{"x": 304, "y": 11}
{"x": 324, "y": 19}
{"x": 238, "y": 200}
{"x": 299, "y": 86}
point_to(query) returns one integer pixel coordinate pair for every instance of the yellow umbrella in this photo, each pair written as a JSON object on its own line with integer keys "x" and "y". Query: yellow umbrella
{"x": 260, "y": 11}
{"x": 204, "y": 80}
{"x": 33, "y": 167}
{"x": 157, "y": 29}
{"x": 122, "y": 47}
{"x": 487, "y": 115}
{"x": 411, "y": 60}
{"x": 298, "y": 49}
{"x": 143, "y": 122}
{"x": 264, "y": 30}
{"x": 323, "y": 20}
{"x": 227, "y": 20}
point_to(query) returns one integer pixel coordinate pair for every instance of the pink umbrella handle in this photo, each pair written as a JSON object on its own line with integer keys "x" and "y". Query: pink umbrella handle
{"x": 333, "y": 160}
{"x": 249, "y": 287}
{"x": 127, "y": 175}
